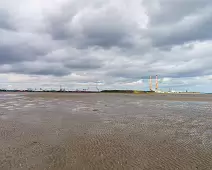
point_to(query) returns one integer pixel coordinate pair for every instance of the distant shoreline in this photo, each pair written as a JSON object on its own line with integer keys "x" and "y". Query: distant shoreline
{"x": 80, "y": 91}
{"x": 103, "y": 91}
{"x": 198, "y": 97}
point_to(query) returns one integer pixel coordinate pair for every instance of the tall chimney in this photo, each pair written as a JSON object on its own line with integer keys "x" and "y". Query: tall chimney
{"x": 150, "y": 83}
{"x": 156, "y": 81}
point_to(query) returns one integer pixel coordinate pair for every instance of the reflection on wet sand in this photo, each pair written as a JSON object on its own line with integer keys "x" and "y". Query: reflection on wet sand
{"x": 104, "y": 131}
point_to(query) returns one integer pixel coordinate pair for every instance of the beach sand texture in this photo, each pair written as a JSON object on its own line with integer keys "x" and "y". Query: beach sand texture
{"x": 56, "y": 131}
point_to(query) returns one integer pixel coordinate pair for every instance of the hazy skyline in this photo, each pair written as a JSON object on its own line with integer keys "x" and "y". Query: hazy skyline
{"x": 118, "y": 43}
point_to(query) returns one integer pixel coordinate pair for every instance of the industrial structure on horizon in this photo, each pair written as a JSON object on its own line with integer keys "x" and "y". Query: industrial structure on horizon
{"x": 156, "y": 84}
{"x": 157, "y": 90}
{"x": 86, "y": 90}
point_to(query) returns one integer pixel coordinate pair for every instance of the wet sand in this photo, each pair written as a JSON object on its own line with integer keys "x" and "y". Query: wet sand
{"x": 150, "y": 96}
{"x": 105, "y": 131}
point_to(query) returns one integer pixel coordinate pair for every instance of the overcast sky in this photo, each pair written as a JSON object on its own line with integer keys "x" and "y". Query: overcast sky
{"x": 114, "y": 43}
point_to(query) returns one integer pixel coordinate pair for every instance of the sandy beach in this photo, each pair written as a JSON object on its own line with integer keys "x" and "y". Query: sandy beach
{"x": 150, "y": 96}
{"x": 61, "y": 131}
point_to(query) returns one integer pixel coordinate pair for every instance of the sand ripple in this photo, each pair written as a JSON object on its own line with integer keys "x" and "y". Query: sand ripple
{"x": 104, "y": 132}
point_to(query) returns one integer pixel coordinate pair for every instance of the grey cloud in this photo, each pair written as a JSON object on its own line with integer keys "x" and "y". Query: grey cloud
{"x": 131, "y": 73}
{"x": 18, "y": 53}
{"x": 60, "y": 23}
{"x": 57, "y": 26}
{"x": 165, "y": 12}
{"x": 167, "y": 68}
{"x": 84, "y": 64}
{"x": 107, "y": 39}
{"x": 46, "y": 71}
{"x": 32, "y": 68}
{"x": 177, "y": 22}
{"x": 5, "y": 20}
{"x": 87, "y": 27}
{"x": 185, "y": 33}
{"x": 107, "y": 30}
{"x": 17, "y": 47}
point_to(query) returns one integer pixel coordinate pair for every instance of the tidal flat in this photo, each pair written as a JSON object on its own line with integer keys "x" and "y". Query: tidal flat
{"x": 63, "y": 131}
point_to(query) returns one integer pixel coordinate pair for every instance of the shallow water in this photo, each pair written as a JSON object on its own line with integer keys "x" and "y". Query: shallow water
{"x": 104, "y": 132}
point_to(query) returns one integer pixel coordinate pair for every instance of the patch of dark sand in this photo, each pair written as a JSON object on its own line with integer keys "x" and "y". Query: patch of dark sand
{"x": 170, "y": 97}
{"x": 174, "y": 97}
{"x": 58, "y": 95}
